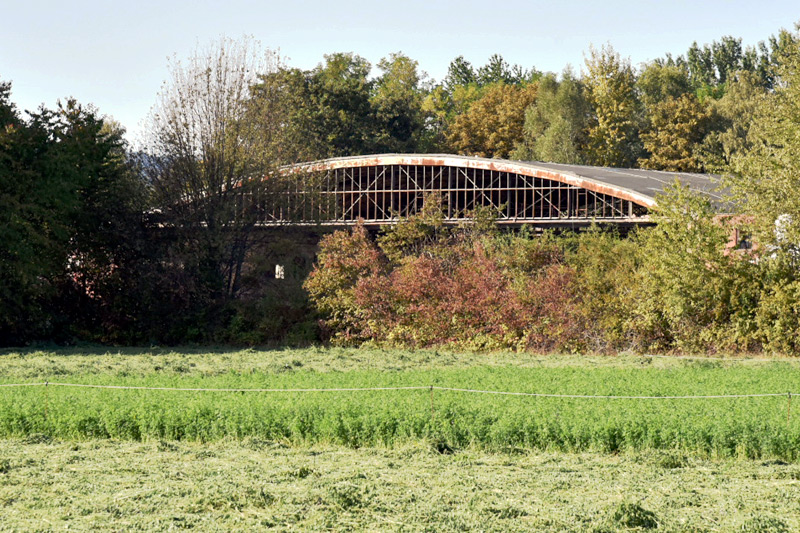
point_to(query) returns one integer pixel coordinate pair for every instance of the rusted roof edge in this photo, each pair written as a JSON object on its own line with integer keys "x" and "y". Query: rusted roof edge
{"x": 500, "y": 165}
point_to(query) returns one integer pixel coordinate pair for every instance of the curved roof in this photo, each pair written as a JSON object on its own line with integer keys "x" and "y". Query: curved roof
{"x": 636, "y": 185}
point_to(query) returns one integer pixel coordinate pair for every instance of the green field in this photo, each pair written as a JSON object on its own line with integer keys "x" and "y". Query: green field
{"x": 113, "y": 459}
{"x": 708, "y": 428}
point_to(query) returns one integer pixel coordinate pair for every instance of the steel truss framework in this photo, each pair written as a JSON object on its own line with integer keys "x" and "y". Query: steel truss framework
{"x": 382, "y": 194}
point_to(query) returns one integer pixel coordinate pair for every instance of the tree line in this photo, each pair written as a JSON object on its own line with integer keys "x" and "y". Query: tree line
{"x": 685, "y": 113}
{"x": 100, "y": 242}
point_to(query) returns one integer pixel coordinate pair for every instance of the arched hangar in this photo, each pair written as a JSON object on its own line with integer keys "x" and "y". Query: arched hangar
{"x": 380, "y": 189}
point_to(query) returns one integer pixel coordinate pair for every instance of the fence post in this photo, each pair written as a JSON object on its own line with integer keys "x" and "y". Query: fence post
{"x": 788, "y": 406}
{"x": 432, "y": 413}
{"x": 46, "y": 398}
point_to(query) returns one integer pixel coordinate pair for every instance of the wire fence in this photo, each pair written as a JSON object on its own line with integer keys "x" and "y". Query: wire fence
{"x": 431, "y": 388}
{"x": 404, "y": 388}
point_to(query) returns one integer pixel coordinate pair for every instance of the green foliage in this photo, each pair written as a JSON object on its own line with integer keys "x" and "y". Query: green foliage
{"x": 764, "y": 177}
{"x": 555, "y": 123}
{"x": 778, "y": 312}
{"x": 412, "y": 235}
{"x": 606, "y": 270}
{"x": 677, "y": 127}
{"x": 340, "y": 92}
{"x": 611, "y": 91}
{"x": 459, "y": 72}
{"x": 397, "y": 105}
{"x": 733, "y": 114}
{"x": 692, "y": 291}
{"x": 660, "y": 80}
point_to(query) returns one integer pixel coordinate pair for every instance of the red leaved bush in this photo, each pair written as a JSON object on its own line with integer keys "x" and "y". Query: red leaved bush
{"x": 475, "y": 293}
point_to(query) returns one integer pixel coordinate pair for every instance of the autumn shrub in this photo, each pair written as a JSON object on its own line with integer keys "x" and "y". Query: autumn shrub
{"x": 343, "y": 259}
{"x": 463, "y": 299}
{"x": 468, "y": 290}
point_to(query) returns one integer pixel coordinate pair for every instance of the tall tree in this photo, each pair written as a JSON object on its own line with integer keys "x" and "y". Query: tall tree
{"x": 733, "y": 116}
{"x": 764, "y": 180}
{"x": 282, "y": 104}
{"x": 728, "y": 57}
{"x": 660, "y": 80}
{"x": 341, "y": 92}
{"x": 493, "y": 124}
{"x": 66, "y": 198}
{"x": 677, "y": 127}
{"x": 610, "y": 85}
{"x": 397, "y": 105}
{"x": 460, "y": 72}
{"x": 209, "y": 157}
{"x": 555, "y": 123}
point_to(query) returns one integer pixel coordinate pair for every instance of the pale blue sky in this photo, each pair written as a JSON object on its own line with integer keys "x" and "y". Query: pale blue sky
{"x": 114, "y": 54}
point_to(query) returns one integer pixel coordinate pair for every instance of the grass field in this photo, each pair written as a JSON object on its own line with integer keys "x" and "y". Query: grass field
{"x": 715, "y": 428}
{"x": 158, "y": 460}
{"x": 253, "y": 484}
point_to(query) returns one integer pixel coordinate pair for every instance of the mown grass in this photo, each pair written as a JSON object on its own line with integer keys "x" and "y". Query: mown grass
{"x": 254, "y": 484}
{"x": 744, "y": 427}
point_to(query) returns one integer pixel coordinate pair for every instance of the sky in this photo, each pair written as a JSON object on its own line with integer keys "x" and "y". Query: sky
{"x": 114, "y": 55}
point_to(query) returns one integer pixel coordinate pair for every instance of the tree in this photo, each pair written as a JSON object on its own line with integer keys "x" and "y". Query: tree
{"x": 677, "y": 127}
{"x": 493, "y": 124}
{"x": 555, "y": 123}
{"x": 764, "y": 179}
{"x": 728, "y": 57}
{"x": 610, "y": 85}
{"x": 460, "y": 72}
{"x": 282, "y": 102}
{"x": 497, "y": 70}
{"x": 689, "y": 293}
{"x": 210, "y": 156}
{"x": 733, "y": 116}
{"x": 340, "y": 92}
{"x": 69, "y": 208}
{"x": 660, "y": 80}
{"x": 397, "y": 105}
{"x": 701, "y": 65}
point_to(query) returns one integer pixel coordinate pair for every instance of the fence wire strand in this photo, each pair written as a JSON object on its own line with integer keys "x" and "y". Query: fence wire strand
{"x": 403, "y": 388}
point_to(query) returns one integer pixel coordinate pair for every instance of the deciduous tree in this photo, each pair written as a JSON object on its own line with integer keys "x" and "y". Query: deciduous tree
{"x": 210, "y": 155}
{"x": 493, "y": 124}
{"x": 397, "y": 105}
{"x": 555, "y": 123}
{"x": 677, "y": 128}
{"x": 610, "y": 85}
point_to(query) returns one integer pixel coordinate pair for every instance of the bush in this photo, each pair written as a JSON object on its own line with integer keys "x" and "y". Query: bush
{"x": 673, "y": 287}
